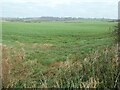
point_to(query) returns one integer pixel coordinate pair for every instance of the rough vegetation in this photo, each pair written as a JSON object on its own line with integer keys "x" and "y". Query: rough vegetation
{"x": 60, "y": 55}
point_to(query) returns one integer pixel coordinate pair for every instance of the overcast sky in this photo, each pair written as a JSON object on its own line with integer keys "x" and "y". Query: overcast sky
{"x": 60, "y": 8}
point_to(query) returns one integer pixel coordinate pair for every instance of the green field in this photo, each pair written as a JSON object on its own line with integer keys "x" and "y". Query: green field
{"x": 56, "y": 41}
{"x": 60, "y": 54}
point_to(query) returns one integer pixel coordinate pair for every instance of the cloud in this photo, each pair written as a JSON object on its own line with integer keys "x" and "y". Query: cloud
{"x": 83, "y": 8}
{"x": 56, "y": 1}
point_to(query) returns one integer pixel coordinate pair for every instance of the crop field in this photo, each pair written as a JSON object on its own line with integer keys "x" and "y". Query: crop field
{"x": 60, "y": 54}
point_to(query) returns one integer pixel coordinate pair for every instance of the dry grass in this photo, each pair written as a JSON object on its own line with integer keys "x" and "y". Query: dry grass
{"x": 42, "y": 46}
{"x": 12, "y": 65}
{"x": 0, "y": 65}
{"x": 98, "y": 69}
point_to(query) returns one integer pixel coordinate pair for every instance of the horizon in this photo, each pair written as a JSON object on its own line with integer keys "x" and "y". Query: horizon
{"x": 59, "y": 17}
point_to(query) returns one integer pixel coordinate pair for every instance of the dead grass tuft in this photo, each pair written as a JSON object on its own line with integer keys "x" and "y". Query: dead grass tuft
{"x": 12, "y": 65}
{"x": 42, "y": 46}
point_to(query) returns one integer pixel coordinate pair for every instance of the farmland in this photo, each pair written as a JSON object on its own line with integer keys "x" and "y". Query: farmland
{"x": 60, "y": 54}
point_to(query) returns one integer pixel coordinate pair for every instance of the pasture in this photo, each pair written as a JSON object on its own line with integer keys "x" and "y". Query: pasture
{"x": 60, "y": 54}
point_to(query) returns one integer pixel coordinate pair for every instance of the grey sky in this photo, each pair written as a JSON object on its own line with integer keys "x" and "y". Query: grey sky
{"x": 60, "y": 8}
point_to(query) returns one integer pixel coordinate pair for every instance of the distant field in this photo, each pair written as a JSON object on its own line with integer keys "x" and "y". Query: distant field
{"x": 48, "y": 44}
{"x": 55, "y": 41}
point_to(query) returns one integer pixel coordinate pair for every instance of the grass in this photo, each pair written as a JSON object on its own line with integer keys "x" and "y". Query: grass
{"x": 60, "y": 54}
